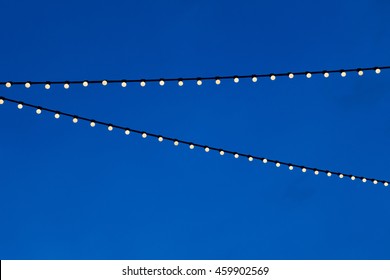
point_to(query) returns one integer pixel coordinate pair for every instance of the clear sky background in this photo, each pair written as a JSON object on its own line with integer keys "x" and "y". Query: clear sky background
{"x": 72, "y": 192}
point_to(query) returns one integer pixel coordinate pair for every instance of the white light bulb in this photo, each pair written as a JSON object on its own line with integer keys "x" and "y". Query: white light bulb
{"x": 192, "y": 146}
{"x": 57, "y": 116}
{"x": 250, "y": 158}
{"x": 47, "y": 86}
{"x": 304, "y": 170}
{"x": 386, "y": 184}
{"x": 218, "y": 81}
{"x": 180, "y": 83}
{"x": 92, "y": 124}
{"x": 176, "y": 143}
{"x": 291, "y": 75}
{"x": 353, "y": 178}
{"x": 343, "y": 74}
{"x": 360, "y": 72}
{"x": 144, "y": 135}
{"x": 277, "y": 164}
{"x": 199, "y": 82}
{"x": 110, "y": 128}
{"x": 38, "y": 111}
{"x": 308, "y": 75}
{"x": 85, "y": 83}
{"x": 75, "y": 120}
{"x": 8, "y": 84}
{"x": 27, "y": 85}
{"x": 273, "y": 77}
{"x": 254, "y": 79}
{"x": 316, "y": 172}
{"x": 162, "y": 82}
{"x": 20, "y": 106}
{"x": 375, "y": 182}
{"x": 207, "y": 149}
{"x": 221, "y": 153}
{"x": 66, "y": 86}
{"x": 236, "y": 80}
{"x": 341, "y": 176}
{"x": 326, "y": 75}
{"x": 265, "y": 160}
{"x": 291, "y": 167}
{"x": 236, "y": 156}
{"x": 143, "y": 83}
{"x": 124, "y": 84}
{"x": 364, "y": 180}
{"x": 329, "y": 174}
{"x": 104, "y": 82}
{"x": 127, "y": 131}
{"x": 160, "y": 139}
{"x": 377, "y": 70}
{"x": 1, "y": 101}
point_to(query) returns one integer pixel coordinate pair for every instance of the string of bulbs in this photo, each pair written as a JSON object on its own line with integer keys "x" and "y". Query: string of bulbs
{"x": 191, "y": 145}
{"x": 199, "y": 80}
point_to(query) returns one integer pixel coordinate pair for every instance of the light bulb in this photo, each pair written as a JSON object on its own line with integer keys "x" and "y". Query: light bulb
{"x": 92, "y": 124}
{"x": 273, "y": 77}
{"x": 316, "y": 172}
{"x": 66, "y": 85}
{"x": 180, "y": 83}
{"x": 57, "y": 116}
{"x": 127, "y": 131}
{"x": 254, "y": 79}
{"x": 110, "y": 128}
{"x": 199, "y": 82}
{"x": 124, "y": 84}
{"x": 160, "y": 139}
{"x": 236, "y": 156}
{"x": 217, "y": 81}
{"x": 221, "y": 153}
{"x": 364, "y": 180}
{"x": 47, "y": 86}
{"x": 265, "y": 160}
{"x": 386, "y": 184}
{"x": 353, "y": 178}
{"x": 8, "y": 84}
{"x": 176, "y": 143}
{"x": 1, "y": 101}
{"x": 326, "y": 74}
{"x": 143, "y": 83}
{"x": 27, "y": 85}
{"x": 104, "y": 82}
{"x": 343, "y": 74}
{"x": 308, "y": 75}
{"x": 207, "y": 149}
{"x": 329, "y": 174}
{"x": 360, "y": 72}
{"x": 250, "y": 158}
{"x": 236, "y": 80}
{"x": 38, "y": 111}
{"x": 291, "y": 75}
{"x": 291, "y": 167}
{"x": 20, "y": 106}
{"x": 377, "y": 70}
{"x": 341, "y": 176}
{"x": 162, "y": 82}
{"x": 75, "y": 120}
{"x": 85, "y": 83}
{"x": 277, "y": 164}
{"x": 192, "y": 146}
{"x": 144, "y": 135}
{"x": 304, "y": 170}
{"x": 375, "y": 182}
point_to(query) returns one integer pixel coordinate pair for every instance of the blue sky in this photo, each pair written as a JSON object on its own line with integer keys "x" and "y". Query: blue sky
{"x": 72, "y": 192}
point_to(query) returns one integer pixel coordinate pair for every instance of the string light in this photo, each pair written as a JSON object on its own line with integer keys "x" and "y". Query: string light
{"x": 27, "y": 85}
{"x": 199, "y": 82}
{"x": 308, "y": 75}
{"x": 8, "y": 84}
{"x": 176, "y": 142}
{"x": 378, "y": 70}
{"x": 123, "y": 84}
{"x": 20, "y": 106}
{"x": 143, "y": 83}
{"x": 254, "y": 79}
{"x": 236, "y": 79}
{"x": 291, "y": 75}
{"x": 104, "y": 82}
{"x": 217, "y": 81}
{"x": 360, "y": 72}
{"x": 180, "y": 83}
{"x": 66, "y": 86}
{"x": 343, "y": 74}
{"x": 162, "y": 82}
{"x": 273, "y": 77}
{"x": 326, "y": 74}
{"x": 47, "y": 86}
{"x": 85, "y": 83}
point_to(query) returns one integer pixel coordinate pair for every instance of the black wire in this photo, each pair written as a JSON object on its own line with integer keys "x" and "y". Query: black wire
{"x": 194, "y": 78}
{"x": 187, "y": 142}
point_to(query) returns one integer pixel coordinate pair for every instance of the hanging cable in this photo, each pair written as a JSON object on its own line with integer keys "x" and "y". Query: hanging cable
{"x": 191, "y": 145}
{"x": 199, "y": 80}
